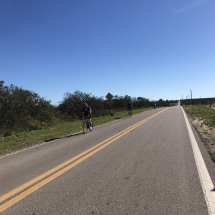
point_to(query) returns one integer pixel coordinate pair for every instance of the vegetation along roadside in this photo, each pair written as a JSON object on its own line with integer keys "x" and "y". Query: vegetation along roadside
{"x": 24, "y": 139}
{"x": 27, "y": 119}
{"x": 203, "y": 119}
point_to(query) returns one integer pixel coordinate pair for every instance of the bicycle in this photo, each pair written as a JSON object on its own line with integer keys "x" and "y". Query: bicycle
{"x": 129, "y": 113}
{"x": 86, "y": 125}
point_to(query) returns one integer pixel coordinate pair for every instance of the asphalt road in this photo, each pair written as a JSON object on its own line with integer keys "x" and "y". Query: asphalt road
{"x": 147, "y": 169}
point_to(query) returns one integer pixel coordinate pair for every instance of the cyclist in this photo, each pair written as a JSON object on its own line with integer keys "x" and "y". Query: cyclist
{"x": 129, "y": 107}
{"x": 87, "y": 113}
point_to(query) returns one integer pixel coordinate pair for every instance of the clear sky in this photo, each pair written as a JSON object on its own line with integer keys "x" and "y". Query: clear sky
{"x": 149, "y": 48}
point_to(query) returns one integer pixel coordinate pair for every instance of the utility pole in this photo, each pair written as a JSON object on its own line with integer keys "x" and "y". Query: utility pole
{"x": 191, "y": 96}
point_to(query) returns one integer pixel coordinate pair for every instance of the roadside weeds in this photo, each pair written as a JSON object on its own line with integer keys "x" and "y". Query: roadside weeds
{"x": 203, "y": 121}
{"x": 26, "y": 139}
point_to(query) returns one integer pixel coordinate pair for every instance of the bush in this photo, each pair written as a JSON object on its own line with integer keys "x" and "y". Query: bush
{"x": 72, "y": 104}
{"x": 23, "y": 109}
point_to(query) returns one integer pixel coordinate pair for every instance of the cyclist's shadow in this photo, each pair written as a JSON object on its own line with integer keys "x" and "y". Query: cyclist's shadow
{"x": 72, "y": 135}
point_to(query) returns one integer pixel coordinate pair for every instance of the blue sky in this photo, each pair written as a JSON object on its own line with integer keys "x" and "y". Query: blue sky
{"x": 148, "y": 48}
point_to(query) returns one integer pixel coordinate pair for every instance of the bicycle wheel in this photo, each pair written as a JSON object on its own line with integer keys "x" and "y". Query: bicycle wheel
{"x": 84, "y": 127}
{"x": 88, "y": 124}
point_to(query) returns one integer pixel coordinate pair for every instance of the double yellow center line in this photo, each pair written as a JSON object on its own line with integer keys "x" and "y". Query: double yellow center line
{"x": 26, "y": 189}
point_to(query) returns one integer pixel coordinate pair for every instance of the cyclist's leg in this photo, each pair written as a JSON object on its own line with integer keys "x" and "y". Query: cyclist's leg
{"x": 129, "y": 112}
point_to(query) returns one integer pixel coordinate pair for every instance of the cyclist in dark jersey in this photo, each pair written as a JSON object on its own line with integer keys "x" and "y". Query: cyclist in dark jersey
{"x": 129, "y": 107}
{"x": 87, "y": 113}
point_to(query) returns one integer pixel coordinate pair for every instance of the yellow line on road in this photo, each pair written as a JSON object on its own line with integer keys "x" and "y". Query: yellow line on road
{"x": 81, "y": 157}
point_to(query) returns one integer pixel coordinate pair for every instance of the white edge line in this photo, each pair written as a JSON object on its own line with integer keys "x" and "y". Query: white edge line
{"x": 65, "y": 136}
{"x": 205, "y": 179}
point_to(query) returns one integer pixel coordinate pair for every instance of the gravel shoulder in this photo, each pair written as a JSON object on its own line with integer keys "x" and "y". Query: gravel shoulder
{"x": 205, "y": 130}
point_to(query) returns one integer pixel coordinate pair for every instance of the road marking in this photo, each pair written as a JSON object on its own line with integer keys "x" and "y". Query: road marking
{"x": 205, "y": 179}
{"x": 62, "y": 168}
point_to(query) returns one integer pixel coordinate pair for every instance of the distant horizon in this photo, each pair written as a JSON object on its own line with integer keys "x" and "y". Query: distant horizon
{"x": 132, "y": 97}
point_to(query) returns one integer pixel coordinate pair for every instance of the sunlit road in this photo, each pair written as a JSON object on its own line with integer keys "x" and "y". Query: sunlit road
{"x": 139, "y": 165}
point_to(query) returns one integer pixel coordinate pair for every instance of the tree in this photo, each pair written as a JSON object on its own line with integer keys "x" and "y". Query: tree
{"x": 72, "y": 104}
{"x": 17, "y": 106}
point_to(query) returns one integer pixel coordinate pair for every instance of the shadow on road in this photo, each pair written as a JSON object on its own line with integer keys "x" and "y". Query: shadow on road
{"x": 57, "y": 138}
{"x": 72, "y": 135}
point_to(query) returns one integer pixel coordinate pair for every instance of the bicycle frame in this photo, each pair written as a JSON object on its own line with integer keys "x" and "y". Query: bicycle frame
{"x": 86, "y": 123}
{"x": 129, "y": 113}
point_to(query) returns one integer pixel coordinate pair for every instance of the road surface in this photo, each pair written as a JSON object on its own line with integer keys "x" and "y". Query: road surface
{"x": 144, "y": 164}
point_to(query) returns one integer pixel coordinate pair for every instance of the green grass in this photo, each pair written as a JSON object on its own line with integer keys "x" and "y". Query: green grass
{"x": 20, "y": 140}
{"x": 206, "y": 105}
{"x": 207, "y": 115}
{"x": 212, "y": 154}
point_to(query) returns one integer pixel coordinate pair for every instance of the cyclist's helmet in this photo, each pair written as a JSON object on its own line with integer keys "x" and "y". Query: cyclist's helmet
{"x": 85, "y": 104}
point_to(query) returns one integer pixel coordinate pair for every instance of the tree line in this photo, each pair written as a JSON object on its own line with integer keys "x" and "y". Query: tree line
{"x": 25, "y": 110}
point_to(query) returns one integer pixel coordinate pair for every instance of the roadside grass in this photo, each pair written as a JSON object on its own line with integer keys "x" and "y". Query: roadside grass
{"x": 207, "y": 115}
{"x": 25, "y": 139}
{"x": 206, "y": 105}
